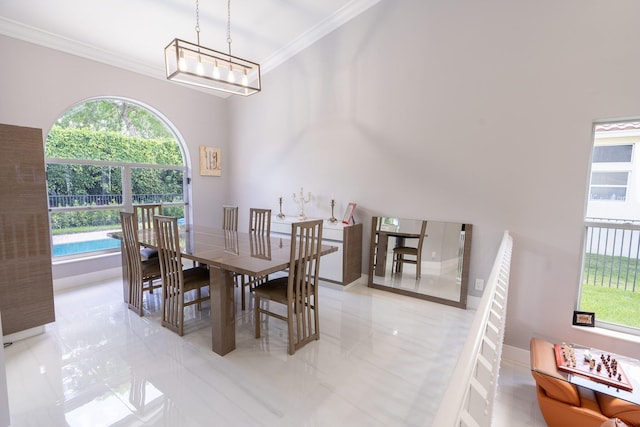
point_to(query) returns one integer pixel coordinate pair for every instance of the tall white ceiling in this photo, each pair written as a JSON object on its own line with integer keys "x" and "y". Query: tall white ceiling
{"x": 132, "y": 34}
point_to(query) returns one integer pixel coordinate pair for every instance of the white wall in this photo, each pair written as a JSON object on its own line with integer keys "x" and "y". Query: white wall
{"x": 37, "y": 85}
{"x": 464, "y": 111}
{"x": 469, "y": 111}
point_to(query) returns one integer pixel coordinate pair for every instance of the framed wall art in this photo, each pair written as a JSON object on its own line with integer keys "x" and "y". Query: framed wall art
{"x": 584, "y": 318}
{"x": 210, "y": 161}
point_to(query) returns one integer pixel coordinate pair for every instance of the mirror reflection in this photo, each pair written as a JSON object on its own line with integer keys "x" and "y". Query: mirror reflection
{"x": 421, "y": 258}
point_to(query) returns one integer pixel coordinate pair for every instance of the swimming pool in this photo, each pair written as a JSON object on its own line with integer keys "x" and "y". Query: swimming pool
{"x": 60, "y": 249}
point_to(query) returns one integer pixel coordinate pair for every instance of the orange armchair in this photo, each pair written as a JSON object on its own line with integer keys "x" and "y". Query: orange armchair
{"x": 561, "y": 403}
{"x": 564, "y": 404}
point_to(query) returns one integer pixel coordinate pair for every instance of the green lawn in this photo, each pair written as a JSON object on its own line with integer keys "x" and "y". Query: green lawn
{"x": 612, "y": 305}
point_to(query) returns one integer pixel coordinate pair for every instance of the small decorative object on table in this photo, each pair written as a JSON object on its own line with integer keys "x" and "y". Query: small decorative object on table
{"x": 333, "y": 219}
{"x": 584, "y": 318}
{"x": 302, "y": 201}
{"x": 280, "y": 215}
{"x": 348, "y": 214}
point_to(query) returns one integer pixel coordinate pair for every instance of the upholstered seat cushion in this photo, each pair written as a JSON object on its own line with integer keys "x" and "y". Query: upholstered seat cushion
{"x": 613, "y": 407}
{"x": 148, "y": 253}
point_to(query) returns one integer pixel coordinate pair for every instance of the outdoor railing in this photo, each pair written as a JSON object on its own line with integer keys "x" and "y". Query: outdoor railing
{"x": 75, "y": 200}
{"x": 612, "y": 253}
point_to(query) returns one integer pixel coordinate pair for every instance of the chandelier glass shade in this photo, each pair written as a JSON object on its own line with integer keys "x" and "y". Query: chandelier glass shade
{"x": 200, "y": 66}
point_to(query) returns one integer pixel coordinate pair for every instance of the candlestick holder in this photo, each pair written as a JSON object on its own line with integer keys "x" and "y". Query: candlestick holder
{"x": 280, "y": 215}
{"x": 302, "y": 201}
{"x": 333, "y": 219}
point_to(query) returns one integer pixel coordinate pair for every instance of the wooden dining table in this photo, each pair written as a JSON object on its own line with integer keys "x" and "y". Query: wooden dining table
{"x": 227, "y": 253}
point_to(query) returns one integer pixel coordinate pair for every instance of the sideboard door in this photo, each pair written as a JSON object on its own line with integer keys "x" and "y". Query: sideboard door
{"x": 26, "y": 286}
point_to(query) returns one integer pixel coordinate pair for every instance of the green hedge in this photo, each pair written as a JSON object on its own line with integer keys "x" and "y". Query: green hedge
{"x": 69, "y": 143}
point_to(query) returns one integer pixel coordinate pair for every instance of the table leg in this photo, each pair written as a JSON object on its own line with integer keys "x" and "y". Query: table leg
{"x": 223, "y": 325}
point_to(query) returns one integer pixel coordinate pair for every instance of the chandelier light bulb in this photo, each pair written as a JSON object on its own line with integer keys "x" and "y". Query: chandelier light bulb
{"x": 245, "y": 80}
{"x": 230, "y": 76}
{"x": 182, "y": 63}
{"x": 216, "y": 71}
{"x": 200, "y": 68}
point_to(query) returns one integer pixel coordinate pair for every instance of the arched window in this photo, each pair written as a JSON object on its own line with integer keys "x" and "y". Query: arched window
{"x": 103, "y": 156}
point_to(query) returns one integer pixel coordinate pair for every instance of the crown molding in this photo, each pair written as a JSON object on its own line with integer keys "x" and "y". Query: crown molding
{"x": 331, "y": 23}
{"x": 37, "y": 36}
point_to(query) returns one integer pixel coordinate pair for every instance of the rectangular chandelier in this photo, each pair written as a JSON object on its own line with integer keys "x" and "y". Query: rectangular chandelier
{"x": 200, "y": 66}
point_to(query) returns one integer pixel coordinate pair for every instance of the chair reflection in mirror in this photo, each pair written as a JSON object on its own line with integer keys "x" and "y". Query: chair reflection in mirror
{"x": 401, "y": 252}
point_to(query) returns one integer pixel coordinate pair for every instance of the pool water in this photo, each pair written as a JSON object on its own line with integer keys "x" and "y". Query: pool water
{"x": 72, "y": 248}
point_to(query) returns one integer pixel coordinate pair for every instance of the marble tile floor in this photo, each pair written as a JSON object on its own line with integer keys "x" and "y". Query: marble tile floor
{"x": 382, "y": 360}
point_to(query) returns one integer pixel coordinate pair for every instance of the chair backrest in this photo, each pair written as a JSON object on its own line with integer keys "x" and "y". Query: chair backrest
{"x": 423, "y": 231}
{"x": 230, "y": 218}
{"x": 131, "y": 249}
{"x": 302, "y": 292}
{"x": 260, "y": 221}
{"x": 545, "y": 373}
{"x": 168, "y": 241}
{"x": 144, "y": 215}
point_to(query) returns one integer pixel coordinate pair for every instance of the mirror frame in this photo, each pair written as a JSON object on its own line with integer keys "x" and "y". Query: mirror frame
{"x": 464, "y": 285}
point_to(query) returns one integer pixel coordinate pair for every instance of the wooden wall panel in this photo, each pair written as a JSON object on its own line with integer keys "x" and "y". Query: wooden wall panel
{"x": 26, "y": 286}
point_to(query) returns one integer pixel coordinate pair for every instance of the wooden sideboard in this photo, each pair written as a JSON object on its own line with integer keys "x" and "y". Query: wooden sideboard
{"x": 342, "y": 267}
{"x": 26, "y": 285}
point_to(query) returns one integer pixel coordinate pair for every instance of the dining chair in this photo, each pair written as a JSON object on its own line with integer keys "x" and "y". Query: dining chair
{"x": 138, "y": 271}
{"x": 259, "y": 225}
{"x": 176, "y": 282}
{"x": 400, "y": 253}
{"x": 260, "y": 221}
{"x": 230, "y": 218}
{"x": 298, "y": 290}
{"x": 144, "y": 220}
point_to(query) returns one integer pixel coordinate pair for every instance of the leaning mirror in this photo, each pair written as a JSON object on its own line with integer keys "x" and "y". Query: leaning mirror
{"x": 420, "y": 258}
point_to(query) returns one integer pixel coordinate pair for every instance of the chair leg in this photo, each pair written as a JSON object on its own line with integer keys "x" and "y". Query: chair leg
{"x": 256, "y": 317}
{"x": 242, "y": 285}
{"x": 316, "y": 318}
{"x": 290, "y": 314}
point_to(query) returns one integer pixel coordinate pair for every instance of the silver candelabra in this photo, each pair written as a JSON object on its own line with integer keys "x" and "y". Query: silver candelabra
{"x": 301, "y": 200}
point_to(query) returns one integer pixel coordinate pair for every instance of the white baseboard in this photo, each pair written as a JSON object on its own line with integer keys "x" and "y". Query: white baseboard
{"x": 86, "y": 279}
{"x": 516, "y": 355}
{"x": 27, "y": 333}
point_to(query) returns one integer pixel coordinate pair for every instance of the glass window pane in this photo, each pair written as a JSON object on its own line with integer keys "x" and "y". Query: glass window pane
{"x": 157, "y": 186}
{"x": 113, "y": 130}
{"x": 609, "y": 178}
{"x": 83, "y": 185}
{"x": 608, "y": 193}
{"x": 612, "y": 153}
{"x": 84, "y": 231}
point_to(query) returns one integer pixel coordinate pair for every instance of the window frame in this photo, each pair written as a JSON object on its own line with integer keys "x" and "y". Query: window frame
{"x": 127, "y": 192}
